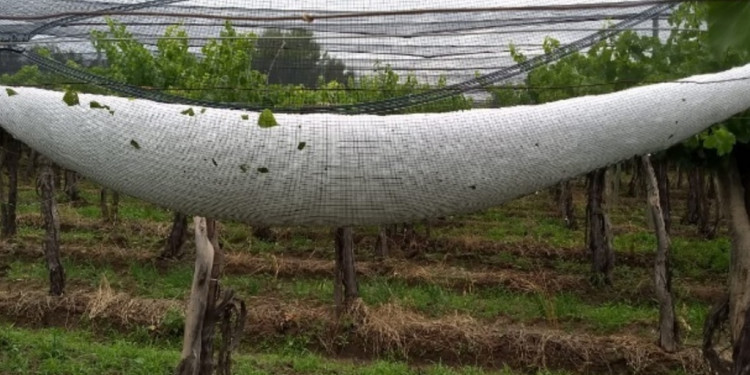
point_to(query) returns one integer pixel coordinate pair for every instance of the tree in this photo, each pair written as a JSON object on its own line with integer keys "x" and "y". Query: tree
{"x": 294, "y": 57}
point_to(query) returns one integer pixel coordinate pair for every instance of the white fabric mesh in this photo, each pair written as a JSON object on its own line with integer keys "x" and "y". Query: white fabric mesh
{"x": 357, "y": 170}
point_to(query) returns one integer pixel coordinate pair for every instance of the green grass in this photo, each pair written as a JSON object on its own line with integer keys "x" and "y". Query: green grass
{"x": 567, "y": 309}
{"x": 55, "y": 351}
{"x": 529, "y": 221}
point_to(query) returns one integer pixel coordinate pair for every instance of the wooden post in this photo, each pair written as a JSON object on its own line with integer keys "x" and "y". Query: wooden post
{"x": 668, "y": 328}
{"x": 345, "y": 288}
{"x": 51, "y": 245}
{"x": 214, "y": 291}
{"x": 190, "y": 357}
{"x": 11, "y": 162}
{"x": 598, "y": 229}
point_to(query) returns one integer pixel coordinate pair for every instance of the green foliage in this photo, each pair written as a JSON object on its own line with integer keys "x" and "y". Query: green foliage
{"x": 295, "y": 58}
{"x": 720, "y": 139}
{"x": 11, "y": 92}
{"x": 276, "y": 70}
{"x": 630, "y": 59}
{"x": 129, "y": 61}
{"x": 611, "y": 65}
{"x": 266, "y": 119}
{"x": 96, "y": 105}
{"x": 728, "y": 26}
{"x": 71, "y": 98}
{"x": 188, "y": 112}
{"x": 238, "y": 68}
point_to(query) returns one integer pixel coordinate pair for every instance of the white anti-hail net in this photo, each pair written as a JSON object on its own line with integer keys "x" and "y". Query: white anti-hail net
{"x": 185, "y": 148}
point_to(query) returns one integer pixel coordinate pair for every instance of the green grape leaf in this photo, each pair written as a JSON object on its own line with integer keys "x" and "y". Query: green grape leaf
{"x": 266, "y": 119}
{"x": 721, "y": 140}
{"x": 71, "y": 98}
{"x": 97, "y": 105}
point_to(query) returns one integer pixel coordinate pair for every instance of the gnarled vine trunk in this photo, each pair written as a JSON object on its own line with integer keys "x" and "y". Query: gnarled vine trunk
{"x": 563, "y": 195}
{"x": 190, "y": 358}
{"x": 635, "y": 186}
{"x": 733, "y": 187}
{"x": 734, "y": 182}
{"x": 210, "y": 309}
{"x": 381, "y": 244}
{"x": 31, "y": 165}
{"x": 174, "y": 248}
{"x": 345, "y": 290}
{"x": 11, "y": 161}
{"x": 598, "y": 229}
{"x": 71, "y": 186}
{"x": 661, "y": 169}
{"x": 51, "y": 245}
{"x": 214, "y": 291}
{"x": 698, "y": 207}
{"x": 668, "y": 328}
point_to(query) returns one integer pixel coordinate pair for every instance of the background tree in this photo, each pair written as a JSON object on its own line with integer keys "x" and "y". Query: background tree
{"x": 294, "y": 57}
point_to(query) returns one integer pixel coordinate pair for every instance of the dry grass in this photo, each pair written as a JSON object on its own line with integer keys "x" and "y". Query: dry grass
{"x": 460, "y": 338}
{"x": 102, "y": 304}
{"x": 378, "y": 331}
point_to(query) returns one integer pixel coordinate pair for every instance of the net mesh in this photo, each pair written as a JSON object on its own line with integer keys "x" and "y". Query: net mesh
{"x": 206, "y": 107}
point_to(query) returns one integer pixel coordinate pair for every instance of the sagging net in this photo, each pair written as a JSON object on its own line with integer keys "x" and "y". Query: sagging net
{"x": 354, "y": 112}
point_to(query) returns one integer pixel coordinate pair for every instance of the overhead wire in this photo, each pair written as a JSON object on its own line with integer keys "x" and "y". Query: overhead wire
{"x": 345, "y": 15}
